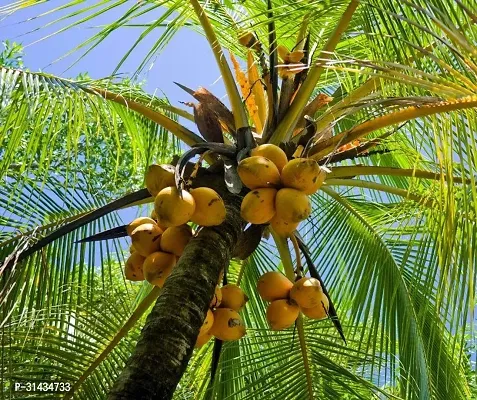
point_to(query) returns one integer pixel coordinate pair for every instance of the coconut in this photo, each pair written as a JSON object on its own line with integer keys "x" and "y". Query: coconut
{"x": 175, "y": 239}
{"x": 258, "y": 172}
{"x": 209, "y": 207}
{"x": 273, "y": 286}
{"x": 233, "y": 297}
{"x": 303, "y": 174}
{"x": 282, "y": 314}
{"x": 273, "y": 153}
{"x": 228, "y": 325}
{"x": 171, "y": 208}
{"x": 137, "y": 222}
{"x": 158, "y": 266}
{"x": 258, "y": 206}
{"x": 307, "y": 292}
{"x": 146, "y": 239}
{"x": 133, "y": 270}
{"x": 292, "y": 205}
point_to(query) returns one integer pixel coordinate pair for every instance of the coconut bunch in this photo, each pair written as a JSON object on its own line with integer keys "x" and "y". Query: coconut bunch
{"x": 174, "y": 207}
{"x": 223, "y": 319}
{"x": 158, "y": 241}
{"x": 154, "y": 250}
{"x": 288, "y": 299}
{"x": 279, "y": 188}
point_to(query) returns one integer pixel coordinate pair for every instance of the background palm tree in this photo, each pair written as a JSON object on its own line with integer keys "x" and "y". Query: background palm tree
{"x": 395, "y": 247}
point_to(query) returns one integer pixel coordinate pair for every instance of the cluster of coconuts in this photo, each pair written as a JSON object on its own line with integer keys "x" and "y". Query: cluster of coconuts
{"x": 158, "y": 241}
{"x": 279, "y": 188}
{"x": 287, "y": 299}
{"x": 154, "y": 250}
{"x": 223, "y": 319}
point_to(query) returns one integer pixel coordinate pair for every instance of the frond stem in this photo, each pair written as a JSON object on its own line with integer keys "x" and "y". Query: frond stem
{"x": 238, "y": 109}
{"x": 326, "y": 147}
{"x": 348, "y": 171}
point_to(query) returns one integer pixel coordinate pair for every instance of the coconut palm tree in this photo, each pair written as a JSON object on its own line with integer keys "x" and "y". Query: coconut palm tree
{"x": 380, "y": 93}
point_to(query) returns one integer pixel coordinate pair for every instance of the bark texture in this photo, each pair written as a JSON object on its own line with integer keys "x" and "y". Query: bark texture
{"x": 168, "y": 337}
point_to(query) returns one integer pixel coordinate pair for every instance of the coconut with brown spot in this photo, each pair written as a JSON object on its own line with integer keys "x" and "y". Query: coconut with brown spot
{"x": 303, "y": 174}
{"x": 158, "y": 266}
{"x": 137, "y": 222}
{"x": 258, "y": 172}
{"x": 133, "y": 269}
{"x": 282, "y": 314}
{"x": 228, "y": 325}
{"x": 173, "y": 208}
{"x": 209, "y": 207}
{"x": 258, "y": 206}
{"x": 307, "y": 292}
{"x": 146, "y": 239}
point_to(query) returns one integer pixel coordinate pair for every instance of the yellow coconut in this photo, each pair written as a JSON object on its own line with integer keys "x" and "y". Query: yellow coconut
{"x": 282, "y": 314}
{"x": 146, "y": 239}
{"x": 175, "y": 239}
{"x": 282, "y": 227}
{"x": 208, "y": 322}
{"x": 221, "y": 277}
{"x": 138, "y": 221}
{"x": 320, "y": 311}
{"x": 258, "y": 172}
{"x": 258, "y": 206}
{"x": 217, "y": 299}
{"x": 158, "y": 266}
{"x": 202, "y": 339}
{"x": 171, "y": 209}
{"x": 133, "y": 270}
{"x": 233, "y": 297}
{"x": 274, "y": 286}
{"x": 303, "y": 174}
{"x": 292, "y": 205}
{"x": 158, "y": 177}
{"x": 228, "y": 325}
{"x": 209, "y": 207}
{"x": 273, "y": 153}
{"x": 307, "y": 292}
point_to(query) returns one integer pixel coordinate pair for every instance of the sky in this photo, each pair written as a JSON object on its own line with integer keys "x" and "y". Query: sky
{"x": 186, "y": 59}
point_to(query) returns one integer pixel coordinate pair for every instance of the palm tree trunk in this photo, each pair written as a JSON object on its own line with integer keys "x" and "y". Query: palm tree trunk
{"x": 168, "y": 337}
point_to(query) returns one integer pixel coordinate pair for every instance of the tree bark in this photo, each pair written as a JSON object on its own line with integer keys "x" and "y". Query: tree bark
{"x": 168, "y": 337}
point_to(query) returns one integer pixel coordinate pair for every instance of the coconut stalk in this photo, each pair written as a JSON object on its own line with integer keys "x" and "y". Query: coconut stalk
{"x": 351, "y": 171}
{"x": 285, "y": 256}
{"x": 167, "y": 340}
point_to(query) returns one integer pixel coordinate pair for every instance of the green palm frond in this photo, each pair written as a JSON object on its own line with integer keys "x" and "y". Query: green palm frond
{"x": 41, "y": 112}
